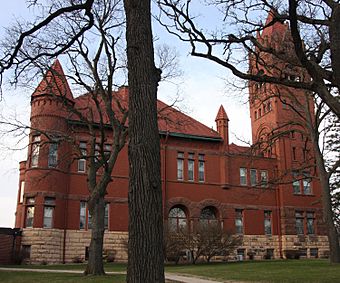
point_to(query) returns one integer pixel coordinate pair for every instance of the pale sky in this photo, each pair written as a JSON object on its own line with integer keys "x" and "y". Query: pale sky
{"x": 203, "y": 91}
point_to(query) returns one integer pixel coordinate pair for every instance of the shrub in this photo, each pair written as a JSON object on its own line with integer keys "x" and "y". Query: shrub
{"x": 292, "y": 254}
{"x": 206, "y": 242}
{"x": 111, "y": 256}
{"x": 77, "y": 259}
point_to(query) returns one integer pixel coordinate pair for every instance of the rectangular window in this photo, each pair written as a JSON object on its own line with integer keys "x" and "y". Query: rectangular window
{"x": 107, "y": 150}
{"x": 294, "y": 153}
{"x": 53, "y": 155}
{"x": 30, "y": 212}
{"x": 264, "y": 179}
{"x": 241, "y": 254}
{"x": 201, "y": 174}
{"x": 243, "y": 176}
{"x": 253, "y": 177}
{"x": 296, "y": 184}
{"x": 306, "y": 186}
{"x": 239, "y": 221}
{"x": 268, "y": 222}
{"x": 180, "y": 165}
{"x": 303, "y": 252}
{"x": 26, "y": 252}
{"x": 96, "y": 152}
{"x": 48, "y": 216}
{"x": 299, "y": 222}
{"x": 310, "y": 223}
{"x": 82, "y": 160}
{"x": 22, "y": 191}
{"x": 314, "y": 252}
{"x": 82, "y": 222}
{"x": 89, "y": 220}
{"x": 191, "y": 164}
{"x": 35, "y": 151}
{"x": 48, "y": 212}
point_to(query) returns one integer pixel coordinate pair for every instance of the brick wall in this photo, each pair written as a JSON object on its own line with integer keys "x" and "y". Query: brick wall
{"x": 9, "y": 245}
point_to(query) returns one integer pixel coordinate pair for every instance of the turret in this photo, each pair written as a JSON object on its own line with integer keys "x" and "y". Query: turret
{"x": 49, "y": 151}
{"x": 222, "y": 124}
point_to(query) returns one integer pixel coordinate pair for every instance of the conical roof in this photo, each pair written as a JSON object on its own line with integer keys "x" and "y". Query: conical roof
{"x": 221, "y": 114}
{"x": 54, "y": 83}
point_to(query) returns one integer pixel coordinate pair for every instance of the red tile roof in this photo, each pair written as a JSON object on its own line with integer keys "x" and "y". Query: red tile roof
{"x": 170, "y": 119}
{"x": 54, "y": 82}
{"x": 221, "y": 114}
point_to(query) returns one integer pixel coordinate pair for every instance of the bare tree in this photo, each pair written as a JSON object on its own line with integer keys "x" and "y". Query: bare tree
{"x": 311, "y": 51}
{"x": 315, "y": 39}
{"x": 145, "y": 244}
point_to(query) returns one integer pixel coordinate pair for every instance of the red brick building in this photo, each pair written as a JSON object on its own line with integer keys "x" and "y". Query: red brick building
{"x": 252, "y": 191}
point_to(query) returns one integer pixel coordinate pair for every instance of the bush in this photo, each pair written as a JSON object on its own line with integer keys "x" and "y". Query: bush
{"x": 206, "y": 242}
{"x": 292, "y": 254}
{"x": 77, "y": 259}
{"x": 111, "y": 256}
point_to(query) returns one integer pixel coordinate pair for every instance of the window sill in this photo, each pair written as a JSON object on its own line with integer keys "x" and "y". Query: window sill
{"x": 303, "y": 195}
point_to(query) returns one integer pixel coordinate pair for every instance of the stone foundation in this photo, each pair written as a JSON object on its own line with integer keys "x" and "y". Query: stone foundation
{"x": 257, "y": 246}
{"x": 47, "y": 245}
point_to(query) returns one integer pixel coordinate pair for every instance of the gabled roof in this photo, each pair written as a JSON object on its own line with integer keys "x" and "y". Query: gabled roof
{"x": 221, "y": 114}
{"x": 54, "y": 83}
{"x": 170, "y": 120}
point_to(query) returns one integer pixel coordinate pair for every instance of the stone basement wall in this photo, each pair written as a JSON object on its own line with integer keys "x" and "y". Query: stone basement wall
{"x": 258, "y": 245}
{"x": 47, "y": 245}
{"x": 294, "y": 242}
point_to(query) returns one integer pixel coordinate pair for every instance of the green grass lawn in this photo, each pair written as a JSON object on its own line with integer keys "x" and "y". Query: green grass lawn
{"x": 298, "y": 271}
{"x": 114, "y": 267}
{"x": 266, "y": 271}
{"x": 37, "y": 277}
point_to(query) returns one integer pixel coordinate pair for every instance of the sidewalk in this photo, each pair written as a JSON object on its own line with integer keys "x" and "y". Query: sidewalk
{"x": 168, "y": 276}
{"x": 186, "y": 279}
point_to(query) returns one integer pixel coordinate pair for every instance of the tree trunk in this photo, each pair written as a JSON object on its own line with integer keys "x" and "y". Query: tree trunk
{"x": 95, "y": 263}
{"x": 145, "y": 252}
{"x": 334, "y": 36}
{"x": 333, "y": 237}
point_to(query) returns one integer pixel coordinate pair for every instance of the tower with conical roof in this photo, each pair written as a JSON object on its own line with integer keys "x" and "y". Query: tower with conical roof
{"x": 45, "y": 173}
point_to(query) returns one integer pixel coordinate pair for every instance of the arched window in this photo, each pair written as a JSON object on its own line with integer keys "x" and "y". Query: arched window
{"x": 208, "y": 216}
{"x": 177, "y": 219}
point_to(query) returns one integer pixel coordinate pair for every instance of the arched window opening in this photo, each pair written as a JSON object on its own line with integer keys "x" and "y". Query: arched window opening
{"x": 177, "y": 219}
{"x": 208, "y": 216}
